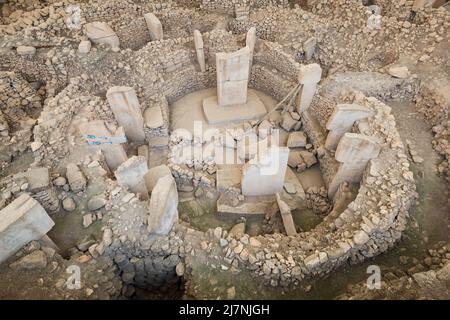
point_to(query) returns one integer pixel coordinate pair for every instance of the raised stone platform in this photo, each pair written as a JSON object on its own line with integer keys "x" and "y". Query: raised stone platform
{"x": 215, "y": 114}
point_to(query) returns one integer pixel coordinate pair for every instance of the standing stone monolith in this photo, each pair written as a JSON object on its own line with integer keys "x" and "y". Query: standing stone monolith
{"x": 264, "y": 175}
{"x": 309, "y": 76}
{"x": 250, "y": 42}
{"x": 198, "y": 42}
{"x": 22, "y": 221}
{"x": 354, "y": 151}
{"x": 342, "y": 120}
{"x": 127, "y": 111}
{"x": 130, "y": 174}
{"x": 154, "y": 26}
{"x": 163, "y": 209}
{"x": 96, "y": 131}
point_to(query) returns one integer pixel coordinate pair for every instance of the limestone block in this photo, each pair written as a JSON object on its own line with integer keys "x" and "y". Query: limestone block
{"x": 38, "y": 179}
{"x": 354, "y": 152}
{"x": 26, "y": 50}
{"x": 163, "y": 207}
{"x": 22, "y": 221}
{"x": 101, "y": 32}
{"x": 154, "y": 26}
{"x": 75, "y": 177}
{"x": 154, "y": 174}
{"x": 355, "y": 147}
{"x": 84, "y": 47}
{"x": 265, "y": 174}
{"x": 153, "y": 117}
{"x": 127, "y": 111}
{"x": 130, "y": 174}
{"x": 296, "y": 139}
{"x": 342, "y": 120}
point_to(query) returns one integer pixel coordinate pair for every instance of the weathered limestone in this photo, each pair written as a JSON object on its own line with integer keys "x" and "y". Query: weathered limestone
{"x": 163, "y": 207}
{"x": 232, "y": 77}
{"x": 22, "y": 221}
{"x": 265, "y": 175}
{"x": 286, "y": 216}
{"x": 309, "y": 47}
{"x": 228, "y": 176}
{"x": 114, "y": 153}
{"x": 125, "y": 106}
{"x": 198, "y": 42}
{"x": 154, "y": 174}
{"x": 26, "y": 50}
{"x": 101, "y": 32}
{"x": 354, "y": 152}
{"x": 84, "y": 47}
{"x": 342, "y": 120}
{"x": 250, "y": 42}
{"x": 154, "y": 26}
{"x": 309, "y": 76}
{"x": 153, "y": 117}
{"x": 296, "y": 139}
{"x": 130, "y": 174}
{"x": 77, "y": 180}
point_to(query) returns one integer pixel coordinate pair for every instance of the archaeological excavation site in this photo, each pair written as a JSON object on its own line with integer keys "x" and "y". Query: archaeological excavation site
{"x": 224, "y": 149}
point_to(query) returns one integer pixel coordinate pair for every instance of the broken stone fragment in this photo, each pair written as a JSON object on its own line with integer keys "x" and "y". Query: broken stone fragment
{"x": 96, "y": 203}
{"x": 35, "y": 260}
{"x": 288, "y": 123}
{"x": 237, "y": 230}
{"x": 296, "y": 139}
{"x": 76, "y": 178}
{"x": 399, "y": 72}
{"x": 101, "y": 32}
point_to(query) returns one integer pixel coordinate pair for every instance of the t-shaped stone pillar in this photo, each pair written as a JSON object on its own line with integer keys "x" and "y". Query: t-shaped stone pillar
{"x": 308, "y": 76}
{"x": 354, "y": 151}
{"x": 232, "y": 77}
{"x": 342, "y": 120}
{"x": 250, "y": 41}
{"x": 198, "y": 41}
{"x": 154, "y": 26}
{"x": 125, "y": 106}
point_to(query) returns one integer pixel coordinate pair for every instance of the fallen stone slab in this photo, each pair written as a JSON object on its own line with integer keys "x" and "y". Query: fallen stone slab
{"x": 296, "y": 139}
{"x": 22, "y": 221}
